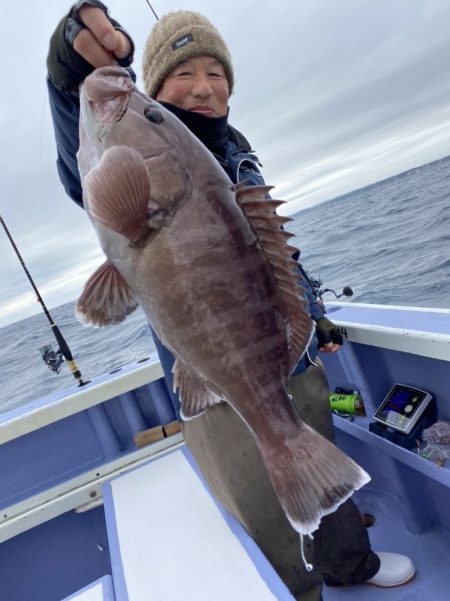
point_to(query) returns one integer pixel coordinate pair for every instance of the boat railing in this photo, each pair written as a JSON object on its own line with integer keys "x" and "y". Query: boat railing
{"x": 384, "y": 345}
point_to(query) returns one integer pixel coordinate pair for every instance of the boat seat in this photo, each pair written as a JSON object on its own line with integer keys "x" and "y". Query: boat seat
{"x": 170, "y": 540}
{"x": 100, "y": 590}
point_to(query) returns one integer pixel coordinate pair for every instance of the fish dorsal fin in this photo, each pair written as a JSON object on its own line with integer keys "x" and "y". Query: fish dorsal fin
{"x": 195, "y": 397}
{"x": 260, "y": 213}
{"x": 118, "y": 194}
{"x": 106, "y": 298}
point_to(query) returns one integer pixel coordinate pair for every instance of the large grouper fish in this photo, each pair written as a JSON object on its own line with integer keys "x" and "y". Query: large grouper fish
{"x": 210, "y": 266}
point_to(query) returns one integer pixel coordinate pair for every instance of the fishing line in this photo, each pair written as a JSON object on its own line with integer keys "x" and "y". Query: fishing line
{"x": 308, "y": 566}
{"x": 152, "y": 9}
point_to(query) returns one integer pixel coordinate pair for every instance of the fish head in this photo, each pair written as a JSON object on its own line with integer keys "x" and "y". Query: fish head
{"x": 113, "y": 112}
{"x": 135, "y": 159}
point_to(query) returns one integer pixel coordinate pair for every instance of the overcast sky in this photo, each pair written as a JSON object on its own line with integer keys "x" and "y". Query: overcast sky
{"x": 332, "y": 94}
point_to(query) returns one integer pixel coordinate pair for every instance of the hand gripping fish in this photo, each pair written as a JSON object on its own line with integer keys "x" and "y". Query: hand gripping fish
{"x": 210, "y": 265}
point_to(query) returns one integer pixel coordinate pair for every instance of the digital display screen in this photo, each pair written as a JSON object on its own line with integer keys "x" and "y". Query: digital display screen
{"x": 401, "y": 406}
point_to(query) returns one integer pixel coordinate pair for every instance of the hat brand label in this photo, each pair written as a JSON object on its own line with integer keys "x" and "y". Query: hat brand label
{"x": 182, "y": 41}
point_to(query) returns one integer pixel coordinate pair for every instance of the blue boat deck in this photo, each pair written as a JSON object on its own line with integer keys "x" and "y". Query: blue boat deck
{"x": 428, "y": 550}
{"x": 59, "y": 453}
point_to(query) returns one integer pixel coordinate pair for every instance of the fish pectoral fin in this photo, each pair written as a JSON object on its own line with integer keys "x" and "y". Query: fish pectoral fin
{"x": 118, "y": 192}
{"x": 194, "y": 395}
{"x": 106, "y": 298}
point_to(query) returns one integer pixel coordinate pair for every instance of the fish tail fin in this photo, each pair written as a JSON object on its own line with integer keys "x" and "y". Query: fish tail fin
{"x": 311, "y": 477}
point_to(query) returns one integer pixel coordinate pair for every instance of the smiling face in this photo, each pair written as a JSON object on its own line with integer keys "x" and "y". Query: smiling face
{"x": 198, "y": 85}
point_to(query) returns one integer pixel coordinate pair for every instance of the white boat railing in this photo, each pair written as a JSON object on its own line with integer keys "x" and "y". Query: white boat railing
{"x": 416, "y": 341}
{"x": 41, "y": 413}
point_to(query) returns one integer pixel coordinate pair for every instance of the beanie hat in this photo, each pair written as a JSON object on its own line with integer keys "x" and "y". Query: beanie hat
{"x": 177, "y": 37}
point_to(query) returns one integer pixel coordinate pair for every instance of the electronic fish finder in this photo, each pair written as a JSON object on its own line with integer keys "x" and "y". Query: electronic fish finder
{"x": 402, "y": 408}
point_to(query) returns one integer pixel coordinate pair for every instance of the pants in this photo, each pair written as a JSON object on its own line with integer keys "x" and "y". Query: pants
{"x": 342, "y": 551}
{"x": 231, "y": 464}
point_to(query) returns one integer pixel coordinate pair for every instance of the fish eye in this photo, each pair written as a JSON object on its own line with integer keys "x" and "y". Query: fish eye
{"x": 154, "y": 115}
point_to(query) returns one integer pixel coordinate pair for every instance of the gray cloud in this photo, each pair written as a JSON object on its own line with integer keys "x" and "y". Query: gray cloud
{"x": 333, "y": 96}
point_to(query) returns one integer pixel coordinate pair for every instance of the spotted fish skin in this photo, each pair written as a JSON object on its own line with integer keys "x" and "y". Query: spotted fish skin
{"x": 210, "y": 265}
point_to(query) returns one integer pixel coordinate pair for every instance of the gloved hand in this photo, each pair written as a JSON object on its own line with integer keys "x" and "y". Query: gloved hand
{"x": 84, "y": 39}
{"x": 329, "y": 340}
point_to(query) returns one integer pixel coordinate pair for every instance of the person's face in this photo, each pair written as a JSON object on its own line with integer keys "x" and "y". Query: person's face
{"x": 198, "y": 85}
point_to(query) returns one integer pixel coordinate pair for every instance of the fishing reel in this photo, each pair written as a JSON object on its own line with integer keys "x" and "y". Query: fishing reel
{"x": 52, "y": 359}
{"x": 318, "y": 291}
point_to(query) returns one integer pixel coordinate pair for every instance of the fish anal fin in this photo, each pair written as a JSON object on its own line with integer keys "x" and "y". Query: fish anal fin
{"x": 106, "y": 298}
{"x": 118, "y": 192}
{"x": 267, "y": 225}
{"x": 194, "y": 395}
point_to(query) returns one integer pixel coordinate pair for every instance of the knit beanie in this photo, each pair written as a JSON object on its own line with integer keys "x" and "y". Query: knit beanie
{"x": 177, "y": 37}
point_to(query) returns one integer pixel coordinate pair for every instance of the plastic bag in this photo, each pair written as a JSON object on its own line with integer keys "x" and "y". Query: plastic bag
{"x": 438, "y": 433}
{"x": 435, "y": 444}
{"x": 437, "y": 453}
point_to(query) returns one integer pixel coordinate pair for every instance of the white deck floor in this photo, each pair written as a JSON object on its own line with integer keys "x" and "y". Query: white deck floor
{"x": 169, "y": 540}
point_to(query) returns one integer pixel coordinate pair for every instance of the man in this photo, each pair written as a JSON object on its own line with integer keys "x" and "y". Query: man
{"x": 187, "y": 67}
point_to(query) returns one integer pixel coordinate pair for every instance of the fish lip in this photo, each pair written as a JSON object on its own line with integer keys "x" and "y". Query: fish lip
{"x": 107, "y": 91}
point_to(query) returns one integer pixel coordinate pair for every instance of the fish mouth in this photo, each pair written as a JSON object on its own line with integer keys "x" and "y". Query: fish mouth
{"x": 108, "y": 91}
{"x": 106, "y": 83}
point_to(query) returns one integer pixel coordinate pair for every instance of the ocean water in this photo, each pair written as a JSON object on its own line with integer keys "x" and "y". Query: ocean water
{"x": 389, "y": 241}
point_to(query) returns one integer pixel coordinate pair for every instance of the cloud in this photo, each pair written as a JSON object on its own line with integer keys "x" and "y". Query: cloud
{"x": 333, "y": 95}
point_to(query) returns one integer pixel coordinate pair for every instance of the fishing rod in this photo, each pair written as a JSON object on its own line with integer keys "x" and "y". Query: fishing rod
{"x": 50, "y": 357}
{"x": 152, "y": 9}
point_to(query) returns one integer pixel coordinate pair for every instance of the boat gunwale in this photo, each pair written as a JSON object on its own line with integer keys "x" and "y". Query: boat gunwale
{"x": 27, "y": 418}
{"x": 47, "y": 410}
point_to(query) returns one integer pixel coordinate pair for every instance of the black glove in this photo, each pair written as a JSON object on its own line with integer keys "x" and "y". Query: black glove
{"x": 326, "y": 331}
{"x": 66, "y": 68}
